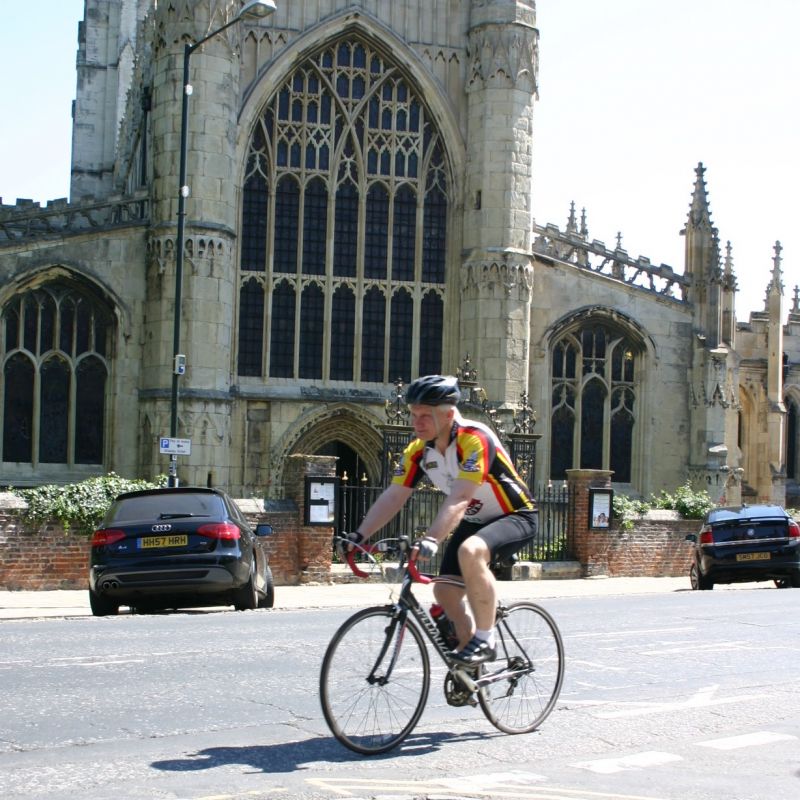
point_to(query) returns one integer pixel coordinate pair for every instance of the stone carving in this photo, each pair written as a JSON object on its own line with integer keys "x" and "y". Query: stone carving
{"x": 198, "y": 250}
{"x": 504, "y": 54}
{"x": 509, "y": 278}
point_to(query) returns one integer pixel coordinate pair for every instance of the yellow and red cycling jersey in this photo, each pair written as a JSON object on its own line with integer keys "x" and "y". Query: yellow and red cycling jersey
{"x": 474, "y": 454}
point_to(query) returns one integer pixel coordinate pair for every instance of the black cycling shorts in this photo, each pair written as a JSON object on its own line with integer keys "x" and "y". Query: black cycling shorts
{"x": 506, "y": 534}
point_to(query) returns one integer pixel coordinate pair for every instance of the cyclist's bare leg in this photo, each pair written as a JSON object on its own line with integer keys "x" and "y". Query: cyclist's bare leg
{"x": 473, "y": 558}
{"x": 452, "y": 598}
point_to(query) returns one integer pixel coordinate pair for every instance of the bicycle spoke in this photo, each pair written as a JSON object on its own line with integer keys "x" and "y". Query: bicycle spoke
{"x": 525, "y": 680}
{"x": 374, "y": 681}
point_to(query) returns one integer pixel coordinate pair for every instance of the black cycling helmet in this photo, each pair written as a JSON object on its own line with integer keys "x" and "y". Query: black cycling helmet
{"x": 433, "y": 390}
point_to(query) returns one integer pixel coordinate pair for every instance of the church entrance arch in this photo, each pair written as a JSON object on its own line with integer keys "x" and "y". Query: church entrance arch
{"x": 341, "y": 432}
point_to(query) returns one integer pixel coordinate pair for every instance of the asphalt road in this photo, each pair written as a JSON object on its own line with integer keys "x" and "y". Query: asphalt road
{"x": 672, "y": 695}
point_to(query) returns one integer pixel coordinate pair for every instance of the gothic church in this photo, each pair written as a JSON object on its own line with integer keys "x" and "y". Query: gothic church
{"x": 359, "y": 212}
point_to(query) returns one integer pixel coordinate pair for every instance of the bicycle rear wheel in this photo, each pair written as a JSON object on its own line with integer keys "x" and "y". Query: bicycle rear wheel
{"x": 530, "y": 659}
{"x": 374, "y": 680}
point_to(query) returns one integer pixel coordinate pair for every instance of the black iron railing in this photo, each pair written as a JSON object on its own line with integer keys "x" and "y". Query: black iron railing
{"x": 551, "y": 542}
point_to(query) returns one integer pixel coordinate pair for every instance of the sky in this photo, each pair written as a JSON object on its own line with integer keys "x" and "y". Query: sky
{"x": 633, "y": 94}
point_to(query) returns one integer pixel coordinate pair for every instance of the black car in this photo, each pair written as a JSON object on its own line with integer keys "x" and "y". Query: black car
{"x": 176, "y": 548}
{"x": 746, "y": 543}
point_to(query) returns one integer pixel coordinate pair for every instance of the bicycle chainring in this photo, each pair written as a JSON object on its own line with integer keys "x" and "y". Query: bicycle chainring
{"x": 456, "y": 693}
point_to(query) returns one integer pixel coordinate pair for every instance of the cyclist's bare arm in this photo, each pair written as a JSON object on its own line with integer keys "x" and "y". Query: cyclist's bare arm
{"x": 384, "y": 509}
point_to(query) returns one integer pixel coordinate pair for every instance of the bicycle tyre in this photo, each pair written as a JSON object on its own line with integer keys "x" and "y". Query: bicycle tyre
{"x": 521, "y": 704}
{"x": 373, "y": 717}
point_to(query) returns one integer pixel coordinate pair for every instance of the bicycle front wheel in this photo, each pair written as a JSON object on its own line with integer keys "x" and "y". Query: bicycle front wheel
{"x": 529, "y": 670}
{"x": 374, "y": 681}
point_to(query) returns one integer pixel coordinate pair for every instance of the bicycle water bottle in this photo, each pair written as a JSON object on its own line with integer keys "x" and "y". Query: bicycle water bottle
{"x": 445, "y": 625}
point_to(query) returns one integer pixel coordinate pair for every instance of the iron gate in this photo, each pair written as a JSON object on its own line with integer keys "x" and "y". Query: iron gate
{"x": 551, "y": 542}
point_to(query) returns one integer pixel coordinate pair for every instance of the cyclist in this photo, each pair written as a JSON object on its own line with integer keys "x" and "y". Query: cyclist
{"x": 488, "y": 507}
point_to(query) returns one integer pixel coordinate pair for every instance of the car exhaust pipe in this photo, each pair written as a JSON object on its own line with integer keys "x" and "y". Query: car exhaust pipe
{"x": 107, "y": 586}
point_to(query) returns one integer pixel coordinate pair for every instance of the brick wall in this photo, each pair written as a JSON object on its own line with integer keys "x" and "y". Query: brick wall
{"x": 49, "y": 558}
{"x": 652, "y": 548}
{"x": 46, "y": 558}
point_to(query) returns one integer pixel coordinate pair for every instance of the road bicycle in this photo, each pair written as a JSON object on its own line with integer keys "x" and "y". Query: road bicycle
{"x": 375, "y": 675}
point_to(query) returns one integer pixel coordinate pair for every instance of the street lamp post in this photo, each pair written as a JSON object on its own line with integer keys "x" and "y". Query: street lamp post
{"x": 257, "y": 9}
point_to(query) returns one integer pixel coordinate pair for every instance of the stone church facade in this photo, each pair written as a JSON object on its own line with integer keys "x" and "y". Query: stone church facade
{"x": 360, "y": 211}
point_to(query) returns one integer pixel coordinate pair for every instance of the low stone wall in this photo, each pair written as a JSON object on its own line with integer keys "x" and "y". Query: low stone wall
{"x": 651, "y": 548}
{"x": 47, "y": 558}
{"x": 50, "y": 558}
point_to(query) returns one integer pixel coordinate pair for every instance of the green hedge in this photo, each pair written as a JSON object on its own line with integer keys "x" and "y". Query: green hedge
{"x": 79, "y": 506}
{"x": 689, "y": 502}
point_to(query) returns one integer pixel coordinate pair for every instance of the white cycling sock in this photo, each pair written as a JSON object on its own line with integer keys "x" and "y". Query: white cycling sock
{"x": 485, "y": 636}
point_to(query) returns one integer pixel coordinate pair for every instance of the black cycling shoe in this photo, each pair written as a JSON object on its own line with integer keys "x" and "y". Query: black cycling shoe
{"x": 476, "y": 651}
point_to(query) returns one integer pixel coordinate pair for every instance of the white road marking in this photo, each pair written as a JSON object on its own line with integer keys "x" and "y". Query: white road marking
{"x": 747, "y": 740}
{"x": 608, "y": 766}
{"x": 494, "y": 780}
{"x": 703, "y": 698}
{"x": 609, "y": 634}
{"x": 713, "y": 647}
{"x": 468, "y": 788}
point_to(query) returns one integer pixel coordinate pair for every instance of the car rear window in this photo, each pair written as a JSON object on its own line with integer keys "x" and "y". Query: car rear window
{"x": 734, "y": 530}
{"x": 165, "y": 506}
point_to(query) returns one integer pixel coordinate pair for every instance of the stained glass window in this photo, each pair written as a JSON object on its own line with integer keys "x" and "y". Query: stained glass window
{"x": 363, "y": 195}
{"x": 593, "y": 400}
{"x": 55, "y": 376}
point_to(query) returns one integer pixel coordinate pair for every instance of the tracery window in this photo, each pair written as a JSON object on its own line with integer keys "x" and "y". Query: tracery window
{"x": 593, "y": 400}
{"x": 792, "y": 439}
{"x": 344, "y": 226}
{"x": 55, "y": 372}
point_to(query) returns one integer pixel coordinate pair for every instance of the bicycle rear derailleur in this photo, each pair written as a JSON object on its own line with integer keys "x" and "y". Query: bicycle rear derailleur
{"x": 456, "y": 693}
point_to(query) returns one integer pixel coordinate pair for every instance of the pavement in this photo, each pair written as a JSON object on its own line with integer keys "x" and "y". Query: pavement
{"x": 75, "y": 603}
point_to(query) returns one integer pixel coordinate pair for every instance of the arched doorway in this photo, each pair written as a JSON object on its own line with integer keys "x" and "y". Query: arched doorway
{"x": 350, "y": 466}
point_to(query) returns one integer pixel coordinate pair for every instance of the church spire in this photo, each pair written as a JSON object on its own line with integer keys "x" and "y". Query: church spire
{"x": 776, "y": 284}
{"x": 729, "y": 276}
{"x": 702, "y": 264}
{"x": 572, "y": 224}
{"x": 728, "y": 298}
{"x": 700, "y": 211}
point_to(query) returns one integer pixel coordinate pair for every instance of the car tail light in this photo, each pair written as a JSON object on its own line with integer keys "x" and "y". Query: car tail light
{"x": 794, "y": 530}
{"x": 219, "y": 530}
{"x": 706, "y": 536}
{"x": 105, "y": 537}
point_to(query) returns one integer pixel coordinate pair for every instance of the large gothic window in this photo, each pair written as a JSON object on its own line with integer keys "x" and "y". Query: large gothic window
{"x": 55, "y": 372}
{"x": 344, "y": 215}
{"x": 792, "y": 440}
{"x": 593, "y": 400}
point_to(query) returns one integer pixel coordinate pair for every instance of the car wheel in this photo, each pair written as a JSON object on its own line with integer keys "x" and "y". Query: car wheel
{"x": 698, "y": 581}
{"x": 793, "y": 580}
{"x": 693, "y": 577}
{"x": 246, "y": 598}
{"x": 268, "y": 600}
{"x": 102, "y": 606}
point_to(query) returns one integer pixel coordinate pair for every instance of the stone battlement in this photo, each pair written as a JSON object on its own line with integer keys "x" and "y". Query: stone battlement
{"x": 28, "y": 220}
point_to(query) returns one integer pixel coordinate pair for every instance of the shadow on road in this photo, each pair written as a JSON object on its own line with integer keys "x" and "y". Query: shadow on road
{"x": 291, "y": 756}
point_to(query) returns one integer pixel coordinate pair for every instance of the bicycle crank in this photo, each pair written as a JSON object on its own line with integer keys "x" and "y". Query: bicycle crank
{"x": 456, "y": 692}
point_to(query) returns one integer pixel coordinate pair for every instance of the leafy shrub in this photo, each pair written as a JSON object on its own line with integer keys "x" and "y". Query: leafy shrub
{"x": 688, "y": 502}
{"x": 626, "y": 510}
{"x": 691, "y": 504}
{"x": 80, "y": 506}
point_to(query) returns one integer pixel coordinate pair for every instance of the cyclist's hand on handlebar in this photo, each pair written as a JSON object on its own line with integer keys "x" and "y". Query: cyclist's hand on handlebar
{"x": 427, "y": 547}
{"x": 346, "y": 542}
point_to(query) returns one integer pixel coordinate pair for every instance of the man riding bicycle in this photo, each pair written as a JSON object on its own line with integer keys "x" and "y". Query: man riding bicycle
{"x": 488, "y": 508}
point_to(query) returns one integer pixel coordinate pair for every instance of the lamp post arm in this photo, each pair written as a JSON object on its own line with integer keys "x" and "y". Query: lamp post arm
{"x": 200, "y": 42}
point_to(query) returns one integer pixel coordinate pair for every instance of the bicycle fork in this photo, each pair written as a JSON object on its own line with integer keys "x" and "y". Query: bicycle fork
{"x": 394, "y": 639}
